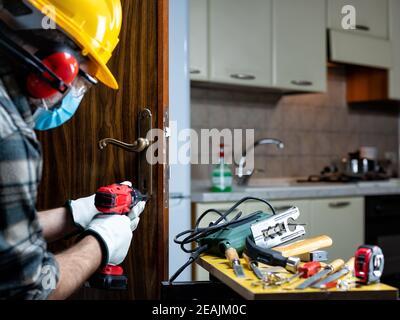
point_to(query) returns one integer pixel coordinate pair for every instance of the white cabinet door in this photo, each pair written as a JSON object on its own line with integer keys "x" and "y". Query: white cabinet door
{"x": 240, "y": 42}
{"x": 343, "y": 220}
{"x": 371, "y": 16}
{"x": 198, "y": 39}
{"x": 394, "y": 72}
{"x": 299, "y": 45}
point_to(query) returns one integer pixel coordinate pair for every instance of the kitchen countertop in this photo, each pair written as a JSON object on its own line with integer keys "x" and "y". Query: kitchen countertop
{"x": 275, "y": 189}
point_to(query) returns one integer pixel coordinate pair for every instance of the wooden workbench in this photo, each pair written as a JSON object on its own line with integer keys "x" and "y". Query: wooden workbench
{"x": 220, "y": 269}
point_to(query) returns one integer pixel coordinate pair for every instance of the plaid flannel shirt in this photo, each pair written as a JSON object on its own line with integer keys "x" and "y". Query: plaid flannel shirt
{"x": 27, "y": 269}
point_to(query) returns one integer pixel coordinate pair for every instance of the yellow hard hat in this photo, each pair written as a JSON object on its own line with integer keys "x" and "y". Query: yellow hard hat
{"x": 93, "y": 24}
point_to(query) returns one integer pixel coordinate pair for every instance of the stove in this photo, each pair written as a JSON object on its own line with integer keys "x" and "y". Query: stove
{"x": 345, "y": 178}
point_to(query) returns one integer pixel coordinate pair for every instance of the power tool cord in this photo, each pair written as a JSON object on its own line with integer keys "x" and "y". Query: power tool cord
{"x": 197, "y": 233}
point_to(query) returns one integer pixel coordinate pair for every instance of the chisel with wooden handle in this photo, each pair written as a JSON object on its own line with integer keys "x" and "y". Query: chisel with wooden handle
{"x": 330, "y": 281}
{"x": 303, "y": 246}
{"x": 233, "y": 257}
{"x": 333, "y": 267}
{"x": 253, "y": 266}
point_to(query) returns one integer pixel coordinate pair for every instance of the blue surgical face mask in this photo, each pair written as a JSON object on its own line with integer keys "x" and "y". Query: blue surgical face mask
{"x": 50, "y": 118}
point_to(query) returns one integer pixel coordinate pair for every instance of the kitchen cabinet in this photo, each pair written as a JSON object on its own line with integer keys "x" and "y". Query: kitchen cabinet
{"x": 371, "y": 16}
{"x": 279, "y": 45}
{"x": 366, "y": 84}
{"x": 343, "y": 220}
{"x": 340, "y": 218}
{"x": 198, "y": 39}
{"x": 299, "y": 45}
{"x": 240, "y": 42}
{"x": 366, "y": 45}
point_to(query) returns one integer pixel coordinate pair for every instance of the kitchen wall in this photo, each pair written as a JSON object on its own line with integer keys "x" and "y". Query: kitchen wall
{"x": 316, "y": 128}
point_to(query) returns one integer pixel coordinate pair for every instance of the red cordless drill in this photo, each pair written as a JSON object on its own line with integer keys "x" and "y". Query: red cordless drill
{"x": 114, "y": 199}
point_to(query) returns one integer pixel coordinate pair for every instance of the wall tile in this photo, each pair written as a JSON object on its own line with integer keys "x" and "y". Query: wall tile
{"x": 200, "y": 114}
{"x": 317, "y": 129}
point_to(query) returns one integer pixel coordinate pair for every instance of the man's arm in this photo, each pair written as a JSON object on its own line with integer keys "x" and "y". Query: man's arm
{"x": 56, "y": 224}
{"x": 76, "y": 265}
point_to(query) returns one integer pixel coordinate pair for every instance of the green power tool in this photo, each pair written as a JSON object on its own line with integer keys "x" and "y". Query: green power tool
{"x": 233, "y": 236}
{"x": 226, "y": 236}
{"x": 230, "y": 241}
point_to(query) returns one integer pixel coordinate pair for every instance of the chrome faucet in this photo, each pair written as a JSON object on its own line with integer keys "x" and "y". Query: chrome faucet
{"x": 242, "y": 178}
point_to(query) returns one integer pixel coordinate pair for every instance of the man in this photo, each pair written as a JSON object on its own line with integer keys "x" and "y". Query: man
{"x": 44, "y": 74}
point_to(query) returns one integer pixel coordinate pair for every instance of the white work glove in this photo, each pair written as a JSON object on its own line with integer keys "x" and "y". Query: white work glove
{"x": 83, "y": 210}
{"x": 114, "y": 235}
{"x": 135, "y": 213}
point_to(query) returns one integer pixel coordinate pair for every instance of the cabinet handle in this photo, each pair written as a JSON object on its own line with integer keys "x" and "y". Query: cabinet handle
{"x": 362, "y": 27}
{"x": 195, "y": 71}
{"x": 339, "y": 205}
{"x": 303, "y": 83}
{"x": 243, "y": 76}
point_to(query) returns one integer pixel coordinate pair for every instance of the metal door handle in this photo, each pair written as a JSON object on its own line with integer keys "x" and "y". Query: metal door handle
{"x": 145, "y": 169}
{"x": 243, "y": 76}
{"x": 138, "y": 146}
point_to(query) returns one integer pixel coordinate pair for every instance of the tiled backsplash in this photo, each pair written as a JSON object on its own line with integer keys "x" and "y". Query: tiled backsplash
{"x": 316, "y": 128}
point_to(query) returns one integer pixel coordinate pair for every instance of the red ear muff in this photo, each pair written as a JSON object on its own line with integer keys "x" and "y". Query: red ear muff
{"x": 63, "y": 64}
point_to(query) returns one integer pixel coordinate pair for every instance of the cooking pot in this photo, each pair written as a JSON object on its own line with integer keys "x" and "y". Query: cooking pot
{"x": 356, "y": 166}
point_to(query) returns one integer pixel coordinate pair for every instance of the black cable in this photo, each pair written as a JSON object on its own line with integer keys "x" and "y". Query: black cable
{"x": 197, "y": 233}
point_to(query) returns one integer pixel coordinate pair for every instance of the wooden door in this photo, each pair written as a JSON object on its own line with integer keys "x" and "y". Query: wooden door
{"x": 75, "y": 167}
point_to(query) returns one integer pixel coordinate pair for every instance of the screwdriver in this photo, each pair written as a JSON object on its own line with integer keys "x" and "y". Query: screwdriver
{"x": 306, "y": 270}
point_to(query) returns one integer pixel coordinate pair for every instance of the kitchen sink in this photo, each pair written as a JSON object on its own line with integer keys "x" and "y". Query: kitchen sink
{"x": 263, "y": 184}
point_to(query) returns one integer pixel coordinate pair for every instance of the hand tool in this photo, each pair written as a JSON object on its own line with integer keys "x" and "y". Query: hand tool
{"x": 306, "y": 270}
{"x": 317, "y": 255}
{"x": 114, "y": 199}
{"x": 330, "y": 268}
{"x": 304, "y": 246}
{"x": 369, "y": 263}
{"x": 330, "y": 281}
{"x": 233, "y": 257}
{"x": 253, "y": 265}
{"x": 269, "y": 256}
{"x": 275, "y": 231}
